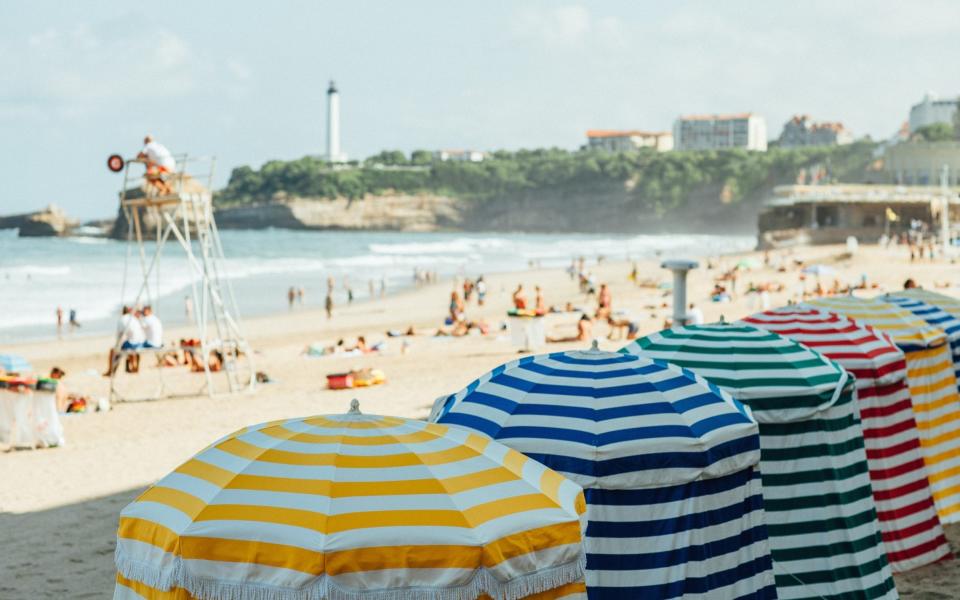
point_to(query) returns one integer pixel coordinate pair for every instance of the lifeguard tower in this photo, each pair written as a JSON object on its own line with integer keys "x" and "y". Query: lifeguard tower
{"x": 177, "y": 208}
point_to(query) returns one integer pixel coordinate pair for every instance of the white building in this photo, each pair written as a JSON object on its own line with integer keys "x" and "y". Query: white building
{"x": 932, "y": 110}
{"x": 625, "y": 141}
{"x": 717, "y": 132}
{"x": 334, "y": 154}
{"x": 922, "y": 163}
{"x": 459, "y": 155}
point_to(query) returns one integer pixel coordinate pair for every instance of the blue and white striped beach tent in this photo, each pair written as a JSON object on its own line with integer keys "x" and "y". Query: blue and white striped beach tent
{"x": 937, "y": 317}
{"x": 668, "y": 463}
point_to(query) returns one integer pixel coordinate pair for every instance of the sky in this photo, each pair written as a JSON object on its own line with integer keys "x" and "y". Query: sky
{"x": 245, "y": 81}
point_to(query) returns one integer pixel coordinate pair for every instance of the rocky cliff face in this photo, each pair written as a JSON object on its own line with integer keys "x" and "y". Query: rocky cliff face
{"x": 50, "y": 222}
{"x": 392, "y": 213}
{"x": 610, "y": 211}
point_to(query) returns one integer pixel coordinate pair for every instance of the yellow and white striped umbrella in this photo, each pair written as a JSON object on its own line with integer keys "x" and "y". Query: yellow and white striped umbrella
{"x": 933, "y": 390}
{"x": 354, "y": 506}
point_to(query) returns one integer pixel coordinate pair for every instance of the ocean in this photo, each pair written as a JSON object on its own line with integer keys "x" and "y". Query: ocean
{"x": 95, "y": 276}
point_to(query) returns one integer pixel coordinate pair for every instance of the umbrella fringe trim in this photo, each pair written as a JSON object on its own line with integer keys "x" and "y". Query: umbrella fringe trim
{"x": 483, "y": 582}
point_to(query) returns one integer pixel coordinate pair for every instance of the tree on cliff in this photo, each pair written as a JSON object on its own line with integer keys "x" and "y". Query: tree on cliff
{"x": 934, "y": 132}
{"x": 657, "y": 181}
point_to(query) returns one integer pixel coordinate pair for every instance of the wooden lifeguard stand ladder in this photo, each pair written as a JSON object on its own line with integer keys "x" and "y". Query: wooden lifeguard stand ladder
{"x": 183, "y": 214}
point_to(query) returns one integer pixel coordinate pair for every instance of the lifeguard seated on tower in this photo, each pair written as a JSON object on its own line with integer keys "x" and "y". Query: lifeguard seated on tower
{"x": 159, "y": 161}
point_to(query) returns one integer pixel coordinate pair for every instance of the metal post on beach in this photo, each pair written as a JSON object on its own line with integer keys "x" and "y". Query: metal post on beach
{"x": 945, "y": 211}
{"x": 679, "y": 267}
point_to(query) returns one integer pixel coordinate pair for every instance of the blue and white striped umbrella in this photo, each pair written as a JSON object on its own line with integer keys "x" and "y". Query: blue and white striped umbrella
{"x": 14, "y": 363}
{"x": 667, "y": 460}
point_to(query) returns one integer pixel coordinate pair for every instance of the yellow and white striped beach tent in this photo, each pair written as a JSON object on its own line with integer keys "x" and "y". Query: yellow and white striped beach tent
{"x": 933, "y": 389}
{"x": 948, "y": 304}
{"x": 354, "y": 506}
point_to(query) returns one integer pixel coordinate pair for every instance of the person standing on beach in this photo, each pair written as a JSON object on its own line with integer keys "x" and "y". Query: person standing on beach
{"x": 328, "y": 303}
{"x": 519, "y": 298}
{"x": 188, "y": 307}
{"x": 59, "y": 320}
{"x": 291, "y": 297}
{"x": 481, "y": 291}
{"x": 73, "y": 319}
{"x": 604, "y": 302}
{"x": 383, "y": 286}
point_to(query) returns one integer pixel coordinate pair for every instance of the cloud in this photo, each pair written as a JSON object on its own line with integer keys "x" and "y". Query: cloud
{"x": 67, "y": 72}
{"x": 566, "y": 26}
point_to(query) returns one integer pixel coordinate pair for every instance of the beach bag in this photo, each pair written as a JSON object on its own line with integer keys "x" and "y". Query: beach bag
{"x": 46, "y": 421}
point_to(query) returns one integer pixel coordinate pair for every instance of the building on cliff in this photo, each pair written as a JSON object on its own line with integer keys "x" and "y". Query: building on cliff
{"x": 801, "y": 131}
{"x": 922, "y": 163}
{"x": 718, "y": 132}
{"x": 624, "y": 141}
{"x": 459, "y": 156}
{"x": 932, "y": 110}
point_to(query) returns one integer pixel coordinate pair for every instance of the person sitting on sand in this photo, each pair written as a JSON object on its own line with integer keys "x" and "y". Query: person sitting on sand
{"x": 694, "y": 315}
{"x": 362, "y": 345}
{"x": 61, "y": 396}
{"x": 130, "y": 337}
{"x": 152, "y": 328}
{"x": 214, "y": 362}
{"x": 623, "y": 326}
{"x": 584, "y": 332}
{"x": 519, "y": 298}
{"x": 159, "y": 161}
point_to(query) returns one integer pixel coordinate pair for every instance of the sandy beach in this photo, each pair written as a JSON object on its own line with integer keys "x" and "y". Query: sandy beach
{"x": 59, "y": 507}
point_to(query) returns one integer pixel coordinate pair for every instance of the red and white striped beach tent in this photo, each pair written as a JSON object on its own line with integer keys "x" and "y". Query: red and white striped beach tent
{"x": 911, "y": 529}
{"x": 933, "y": 389}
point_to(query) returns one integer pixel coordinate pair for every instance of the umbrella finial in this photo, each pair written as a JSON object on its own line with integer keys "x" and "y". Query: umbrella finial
{"x": 354, "y": 407}
{"x": 594, "y": 345}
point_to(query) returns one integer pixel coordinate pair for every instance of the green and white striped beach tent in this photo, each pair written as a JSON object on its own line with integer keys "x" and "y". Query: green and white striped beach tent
{"x": 821, "y": 517}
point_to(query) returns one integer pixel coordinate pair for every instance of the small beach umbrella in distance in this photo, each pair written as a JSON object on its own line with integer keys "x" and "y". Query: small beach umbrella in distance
{"x": 354, "y": 506}
{"x": 912, "y": 534}
{"x": 748, "y": 263}
{"x": 818, "y": 501}
{"x": 819, "y": 270}
{"x": 933, "y": 389}
{"x": 14, "y": 363}
{"x": 668, "y": 463}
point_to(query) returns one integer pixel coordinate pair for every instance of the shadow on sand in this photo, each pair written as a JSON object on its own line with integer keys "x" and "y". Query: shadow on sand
{"x": 63, "y": 552}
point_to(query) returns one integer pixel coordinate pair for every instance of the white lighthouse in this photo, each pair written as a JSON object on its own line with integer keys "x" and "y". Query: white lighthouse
{"x": 333, "y": 125}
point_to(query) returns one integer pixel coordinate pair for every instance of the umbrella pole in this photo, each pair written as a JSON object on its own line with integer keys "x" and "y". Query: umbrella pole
{"x": 679, "y": 267}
